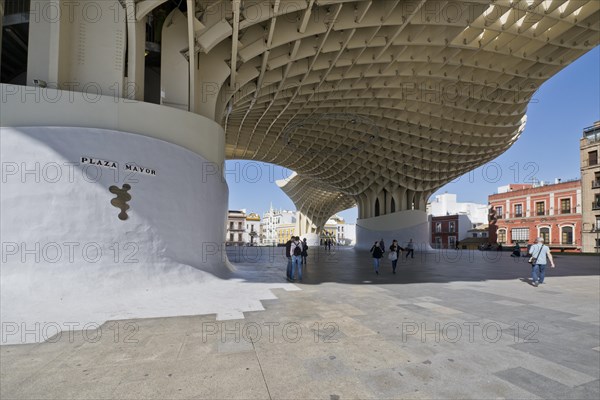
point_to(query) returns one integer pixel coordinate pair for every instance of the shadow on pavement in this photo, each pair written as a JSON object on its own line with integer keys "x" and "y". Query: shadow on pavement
{"x": 350, "y": 266}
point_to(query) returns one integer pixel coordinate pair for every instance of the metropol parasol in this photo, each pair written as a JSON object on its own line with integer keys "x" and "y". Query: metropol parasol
{"x": 371, "y": 103}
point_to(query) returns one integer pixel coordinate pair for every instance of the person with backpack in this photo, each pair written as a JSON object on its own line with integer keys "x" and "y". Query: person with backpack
{"x": 377, "y": 254}
{"x": 296, "y": 250}
{"x": 288, "y": 254}
{"x": 394, "y": 254}
{"x": 539, "y": 256}
{"x": 304, "y": 251}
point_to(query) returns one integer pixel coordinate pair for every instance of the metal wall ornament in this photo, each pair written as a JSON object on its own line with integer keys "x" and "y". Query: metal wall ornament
{"x": 121, "y": 200}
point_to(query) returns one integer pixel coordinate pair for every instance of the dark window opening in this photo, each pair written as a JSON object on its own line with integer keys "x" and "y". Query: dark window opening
{"x": 567, "y": 235}
{"x": 518, "y": 210}
{"x": 593, "y": 157}
{"x": 565, "y": 206}
{"x": 545, "y": 234}
{"x": 15, "y": 42}
{"x": 540, "y": 208}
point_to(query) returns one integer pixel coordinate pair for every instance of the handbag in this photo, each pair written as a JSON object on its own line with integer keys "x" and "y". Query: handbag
{"x": 533, "y": 260}
{"x": 392, "y": 256}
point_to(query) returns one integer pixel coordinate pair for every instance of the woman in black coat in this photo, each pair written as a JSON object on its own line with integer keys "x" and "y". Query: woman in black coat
{"x": 394, "y": 254}
{"x": 377, "y": 254}
{"x": 304, "y": 251}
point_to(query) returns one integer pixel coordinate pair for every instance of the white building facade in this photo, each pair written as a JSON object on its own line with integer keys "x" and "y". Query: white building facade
{"x": 252, "y": 234}
{"x": 236, "y": 228}
{"x": 242, "y": 229}
{"x": 447, "y": 204}
{"x": 270, "y": 220}
{"x": 346, "y": 234}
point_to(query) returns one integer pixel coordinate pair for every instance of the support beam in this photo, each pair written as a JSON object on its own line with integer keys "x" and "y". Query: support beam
{"x": 1, "y": 28}
{"x": 191, "y": 11}
{"x": 136, "y": 51}
{"x": 234, "y": 42}
{"x": 144, "y": 7}
{"x": 43, "y": 56}
{"x": 361, "y": 9}
{"x": 306, "y": 17}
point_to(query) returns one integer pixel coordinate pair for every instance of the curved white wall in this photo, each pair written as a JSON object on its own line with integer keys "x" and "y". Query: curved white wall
{"x": 32, "y": 106}
{"x": 66, "y": 256}
{"x": 312, "y": 239}
{"x": 50, "y": 196}
{"x": 402, "y": 226}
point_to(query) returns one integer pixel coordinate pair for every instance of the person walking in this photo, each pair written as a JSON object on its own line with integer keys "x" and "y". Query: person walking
{"x": 394, "y": 254}
{"x": 296, "y": 250}
{"x": 410, "y": 250}
{"x": 288, "y": 254}
{"x": 516, "y": 250}
{"x": 382, "y": 245}
{"x": 304, "y": 251}
{"x": 540, "y": 255}
{"x": 377, "y": 254}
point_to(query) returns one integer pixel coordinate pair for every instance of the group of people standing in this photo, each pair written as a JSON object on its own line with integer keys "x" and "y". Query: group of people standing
{"x": 296, "y": 252}
{"x": 378, "y": 250}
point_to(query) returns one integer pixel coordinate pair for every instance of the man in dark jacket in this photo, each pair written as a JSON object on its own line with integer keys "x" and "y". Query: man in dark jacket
{"x": 288, "y": 248}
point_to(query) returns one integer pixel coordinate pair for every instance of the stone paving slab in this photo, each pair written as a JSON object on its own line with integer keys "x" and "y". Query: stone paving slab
{"x": 436, "y": 329}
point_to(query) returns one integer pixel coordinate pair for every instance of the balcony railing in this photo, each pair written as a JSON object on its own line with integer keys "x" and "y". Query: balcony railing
{"x": 592, "y": 133}
{"x": 596, "y": 205}
{"x": 568, "y": 210}
{"x": 445, "y": 231}
{"x": 540, "y": 213}
{"x": 596, "y": 184}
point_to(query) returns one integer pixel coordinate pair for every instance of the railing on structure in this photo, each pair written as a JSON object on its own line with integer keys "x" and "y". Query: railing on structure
{"x": 592, "y": 133}
{"x": 12, "y": 7}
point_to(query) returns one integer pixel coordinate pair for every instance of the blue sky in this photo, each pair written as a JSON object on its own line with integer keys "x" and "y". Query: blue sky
{"x": 547, "y": 149}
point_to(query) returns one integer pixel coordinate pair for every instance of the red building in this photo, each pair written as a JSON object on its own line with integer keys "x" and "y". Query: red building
{"x": 520, "y": 213}
{"x": 447, "y": 230}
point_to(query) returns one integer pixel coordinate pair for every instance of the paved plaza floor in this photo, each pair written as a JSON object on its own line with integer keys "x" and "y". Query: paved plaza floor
{"x": 447, "y": 325}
